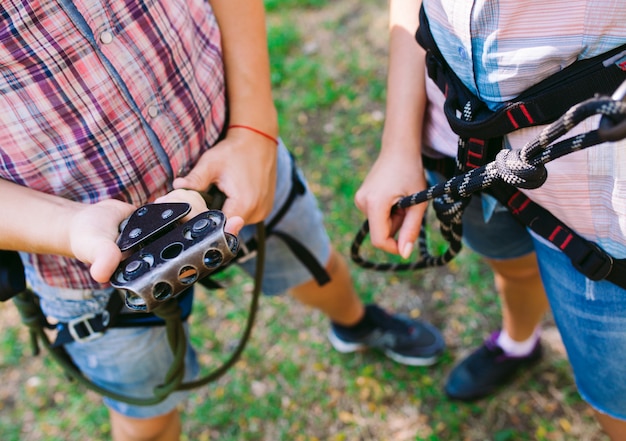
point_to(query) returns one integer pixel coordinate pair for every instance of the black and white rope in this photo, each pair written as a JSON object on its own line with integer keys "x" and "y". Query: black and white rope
{"x": 523, "y": 168}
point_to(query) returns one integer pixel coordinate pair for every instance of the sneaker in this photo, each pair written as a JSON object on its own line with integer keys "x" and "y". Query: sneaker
{"x": 406, "y": 341}
{"x": 486, "y": 369}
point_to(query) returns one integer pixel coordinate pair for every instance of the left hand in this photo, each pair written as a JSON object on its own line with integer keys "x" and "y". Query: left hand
{"x": 243, "y": 166}
{"x": 198, "y": 205}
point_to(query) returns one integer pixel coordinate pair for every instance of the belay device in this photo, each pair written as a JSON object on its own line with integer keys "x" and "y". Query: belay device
{"x": 169, "y": 258}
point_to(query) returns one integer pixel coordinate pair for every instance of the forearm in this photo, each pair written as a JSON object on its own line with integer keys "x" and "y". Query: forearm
{"x": 406, "y": 95}
{"x": 33, "y": 221}
{"x": 246, "y": 59}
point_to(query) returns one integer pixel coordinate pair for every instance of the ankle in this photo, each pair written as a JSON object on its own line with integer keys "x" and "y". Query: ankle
{"x": 518, "y": 348}
{"x": 366, "y": 324}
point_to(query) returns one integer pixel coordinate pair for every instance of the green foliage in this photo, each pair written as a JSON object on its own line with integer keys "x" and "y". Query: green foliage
{"x": 278, "y": 5}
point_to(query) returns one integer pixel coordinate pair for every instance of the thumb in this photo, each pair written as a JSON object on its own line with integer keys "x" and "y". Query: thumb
{"x": 199, "y": 178}
{"x": 105, "y": 261}
{"x": 234, "y": 225}
{"x": 409, "y": 231}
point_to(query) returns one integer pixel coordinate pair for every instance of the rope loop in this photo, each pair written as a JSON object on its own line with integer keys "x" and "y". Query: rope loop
{"x": 513, "y": 170}
{"x": 523, "y": 169}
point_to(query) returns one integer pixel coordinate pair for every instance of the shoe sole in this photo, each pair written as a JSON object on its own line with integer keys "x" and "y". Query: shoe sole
{"x": 346, "y": 348}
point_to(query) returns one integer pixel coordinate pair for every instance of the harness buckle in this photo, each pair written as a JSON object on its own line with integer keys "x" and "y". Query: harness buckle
{"x": 245, "y": 253}
{"x": 595, "y": 265}
{"x": 475, "y": 153}
{"x": 84, "y": 321}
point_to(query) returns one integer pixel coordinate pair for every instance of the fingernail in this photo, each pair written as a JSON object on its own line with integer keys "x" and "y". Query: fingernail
{"x": 406, "y": 251}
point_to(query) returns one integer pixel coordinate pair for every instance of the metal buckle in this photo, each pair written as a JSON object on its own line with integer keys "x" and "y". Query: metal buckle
{"x": 595, "y": 265}
{"x": 91, "y": 334}
{"x": 246, "y": 253}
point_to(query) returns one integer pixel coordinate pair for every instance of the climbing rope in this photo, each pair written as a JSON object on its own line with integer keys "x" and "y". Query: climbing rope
{"x": 523, "y": 168}
{"x": 32, "y": 316}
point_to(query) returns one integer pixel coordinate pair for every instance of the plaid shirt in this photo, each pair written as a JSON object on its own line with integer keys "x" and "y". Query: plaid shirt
{"x": 501, "y": 48}
{"x": 106, "y": 99}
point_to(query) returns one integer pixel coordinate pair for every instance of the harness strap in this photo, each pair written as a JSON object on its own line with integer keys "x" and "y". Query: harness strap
{"x": 316, "y": 268}
{"x": 92, "y": 326}
{"x": 587, "y": 257}
{"x": 541, "y": 104}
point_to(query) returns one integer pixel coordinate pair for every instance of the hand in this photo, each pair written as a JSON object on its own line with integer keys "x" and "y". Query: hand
{"x": 198, "y": 205}
{"x": 93, "y": 233}
{"x": 95, "y": 228}
{"x": 391, "y": 178}
{"x": 243, "y": 166}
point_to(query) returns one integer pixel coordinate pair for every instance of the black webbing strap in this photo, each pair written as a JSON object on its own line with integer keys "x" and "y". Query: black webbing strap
{"x": 481, "y": 130}
{"x": 538, "y": 105}
{"x": 305, "y": 257}
{"x": 90, "y": 326}
{"x": 587, "y": 257}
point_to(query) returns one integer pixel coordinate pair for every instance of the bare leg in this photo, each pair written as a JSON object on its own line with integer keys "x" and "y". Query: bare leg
{"x": 523, "y": 305}
{"x": 162, "y": 428}
{"x": 616, "y": 429}
{"x": 524, "y": 300}
{"x": 337, "y": 299}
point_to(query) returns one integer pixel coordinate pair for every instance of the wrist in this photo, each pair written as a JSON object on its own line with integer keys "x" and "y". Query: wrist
{"x": 254, "y": 130}
{"x": 262, "y": 117}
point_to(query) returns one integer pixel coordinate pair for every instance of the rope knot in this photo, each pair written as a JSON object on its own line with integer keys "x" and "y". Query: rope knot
{"x": 513, "y": 170}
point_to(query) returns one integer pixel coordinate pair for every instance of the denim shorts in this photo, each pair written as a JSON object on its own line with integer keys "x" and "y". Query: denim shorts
{"x": 591, "y": 317}
{"x": 303, "y": 222}
{"x": 133, "y": 361}
{"x": 489, "y": 229}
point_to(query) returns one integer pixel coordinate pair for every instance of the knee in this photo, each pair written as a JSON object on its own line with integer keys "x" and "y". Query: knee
{"x": 518, "y": 269}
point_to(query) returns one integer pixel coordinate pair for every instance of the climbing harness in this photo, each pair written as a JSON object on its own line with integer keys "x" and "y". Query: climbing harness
{"x": 171, "y": 313}
{"x": 577, "y": 93}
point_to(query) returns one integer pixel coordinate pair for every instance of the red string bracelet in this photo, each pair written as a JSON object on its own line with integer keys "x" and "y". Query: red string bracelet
{"x": 252, "y": 129}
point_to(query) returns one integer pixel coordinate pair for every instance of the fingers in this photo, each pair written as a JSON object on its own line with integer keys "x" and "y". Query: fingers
{"x": 382, "y": 229}
{"x": 409, "y": 231}
{"x": 234, "y": 225}
{"x": 105, "y": 261}
{"x": 200, "y": 177}
{"x": 193, "y": 198}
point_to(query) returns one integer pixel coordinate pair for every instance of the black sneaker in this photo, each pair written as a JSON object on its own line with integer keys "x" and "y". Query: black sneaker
{"x": 406, "y": 341}
{"x": 487, "y": 369}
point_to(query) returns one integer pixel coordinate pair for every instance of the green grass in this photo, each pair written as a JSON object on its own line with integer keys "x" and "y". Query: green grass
{"x": 328, "y": 72}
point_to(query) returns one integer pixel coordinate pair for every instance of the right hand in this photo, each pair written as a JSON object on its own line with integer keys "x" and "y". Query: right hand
{"x": 93, "y": 234}
{"x": 94, "y": 230}
{"x": 392, "y": 177}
